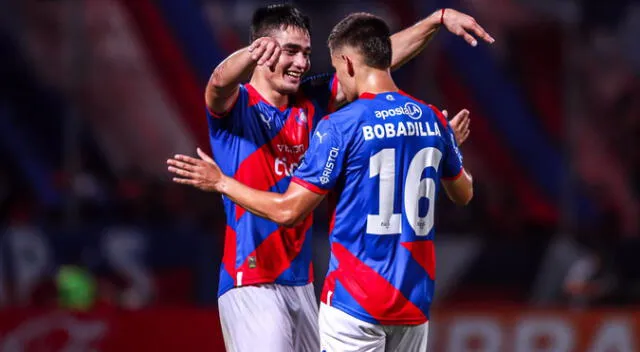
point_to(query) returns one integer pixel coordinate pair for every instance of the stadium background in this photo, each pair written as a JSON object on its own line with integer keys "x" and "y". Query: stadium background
{"x": 96, "y": 94}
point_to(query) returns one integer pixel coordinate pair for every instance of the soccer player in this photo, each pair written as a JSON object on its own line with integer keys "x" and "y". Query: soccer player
{"x": 383, "y": 157}
{"x": 260, "y": 131}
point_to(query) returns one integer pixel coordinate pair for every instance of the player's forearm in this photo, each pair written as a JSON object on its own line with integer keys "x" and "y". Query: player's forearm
{"x": 269, "y": 205}
{"x": 460, "y": 191}
{"x": 224, "y": 81}
{"x": 408, "y": 43}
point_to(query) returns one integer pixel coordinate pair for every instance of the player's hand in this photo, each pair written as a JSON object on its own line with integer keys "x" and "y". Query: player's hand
{"x": 464, "y": 26}
{"x": 460, "y": 124}
{"x": 265, "y": 51}
{"x": 201, "y": 173}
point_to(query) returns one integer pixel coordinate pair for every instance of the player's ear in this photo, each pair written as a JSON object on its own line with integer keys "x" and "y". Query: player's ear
{"x": 350, "y": 69}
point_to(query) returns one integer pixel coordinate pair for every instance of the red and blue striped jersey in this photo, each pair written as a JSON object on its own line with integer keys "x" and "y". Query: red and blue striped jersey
{"x": 382, "y": 157}
{"x": 261, "y": 145}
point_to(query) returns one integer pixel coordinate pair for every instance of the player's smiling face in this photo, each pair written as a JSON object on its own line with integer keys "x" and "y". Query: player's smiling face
{"x": 294, "y": 60}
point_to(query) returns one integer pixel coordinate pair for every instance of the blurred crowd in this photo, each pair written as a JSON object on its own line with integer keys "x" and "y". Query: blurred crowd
{"x": 544, "y": 44}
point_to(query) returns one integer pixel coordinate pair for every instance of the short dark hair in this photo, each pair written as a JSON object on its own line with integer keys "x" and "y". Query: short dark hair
{"x": 277, "y": 17}
{"x": 366, "y": 32}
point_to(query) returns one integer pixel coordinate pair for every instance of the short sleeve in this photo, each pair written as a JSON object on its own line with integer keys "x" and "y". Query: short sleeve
{"x": 234, "y": 114}
{"x": 323, "y": 162}
{"x": 452, "y": 162}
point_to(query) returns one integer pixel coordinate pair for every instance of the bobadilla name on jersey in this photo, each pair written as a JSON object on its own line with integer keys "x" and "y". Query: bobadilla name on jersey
{"x": 401, "y": 129}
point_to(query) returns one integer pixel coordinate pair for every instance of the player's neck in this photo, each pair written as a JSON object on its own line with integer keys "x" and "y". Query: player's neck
{"x": 270, "y": 95}
{"x": 376, "y": 81}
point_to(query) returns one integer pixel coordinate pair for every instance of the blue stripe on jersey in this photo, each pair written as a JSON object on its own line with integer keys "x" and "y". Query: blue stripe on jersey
{"x": 298, "y": 273}
{"x": 343, "y": 300}
{"x": 415, "y": 293}
{"x": 226, "y": 281}
{"x": 250, "y": 223}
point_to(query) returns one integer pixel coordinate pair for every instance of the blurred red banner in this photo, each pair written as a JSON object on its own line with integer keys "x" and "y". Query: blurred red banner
{"x": 520, "y": 329}
{"x": 452, "y": 330}
{"x": 111, "y": 330}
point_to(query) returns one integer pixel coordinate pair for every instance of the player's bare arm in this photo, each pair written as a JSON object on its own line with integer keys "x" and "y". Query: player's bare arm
{"x": 460, "y": 190}
{"x": 409, "y": 42}
{"x": 223, "y": 86}
{"x": 286, "y": 209}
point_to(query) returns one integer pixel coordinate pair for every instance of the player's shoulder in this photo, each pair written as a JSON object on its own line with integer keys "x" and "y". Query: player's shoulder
{"x": 429, "y": 109}
{"x": 342, "y": 121}
{"x": 348, "y": 114}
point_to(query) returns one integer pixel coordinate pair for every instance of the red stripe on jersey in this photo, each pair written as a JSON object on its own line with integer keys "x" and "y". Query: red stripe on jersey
{"x": 443, "y": 120}
{"x": 401, "y": 92}
{"x": 229, "y": 256}
{"x": 255, "y": 97}
{"x": 274, "y": 255}
{"x": 310, "y": 272}
{"x": 258, "y": 170}
{"x": 424, "y": 253}
{"x": 329, "y": 286}
{"x": 310, "y": 186}
{"x": 374, "y": 293}
{"x": 367, "y": 95}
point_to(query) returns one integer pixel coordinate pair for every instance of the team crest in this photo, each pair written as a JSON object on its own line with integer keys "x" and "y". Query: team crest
{"x": 302, "y": 117}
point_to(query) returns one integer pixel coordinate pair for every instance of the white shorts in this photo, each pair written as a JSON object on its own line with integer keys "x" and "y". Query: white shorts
{"x": 341, "y": 332}
{"x": 270, "y": 317}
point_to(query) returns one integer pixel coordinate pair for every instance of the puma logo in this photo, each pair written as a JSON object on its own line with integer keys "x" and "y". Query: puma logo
{"x": 320, "y": 135}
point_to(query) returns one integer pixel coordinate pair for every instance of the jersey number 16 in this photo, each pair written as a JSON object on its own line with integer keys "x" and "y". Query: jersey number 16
{"x": 383, "y": 164}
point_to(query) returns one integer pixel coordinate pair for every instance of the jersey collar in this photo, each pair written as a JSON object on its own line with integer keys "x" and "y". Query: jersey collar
{"x": 257, "y": 97}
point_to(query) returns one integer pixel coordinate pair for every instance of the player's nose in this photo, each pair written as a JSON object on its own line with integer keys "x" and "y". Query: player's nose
{"x": 301, "y": 62}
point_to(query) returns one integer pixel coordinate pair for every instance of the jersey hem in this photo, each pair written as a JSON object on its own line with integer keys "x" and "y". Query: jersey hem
{"x": 310, "y": 186}
{"x": 453, "y": 178}
{"x": 370, "y": 319}
{"x": 225, "y": 113}
{"x": 260, "y": 281}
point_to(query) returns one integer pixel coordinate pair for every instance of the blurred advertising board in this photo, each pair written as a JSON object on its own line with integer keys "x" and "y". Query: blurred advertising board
{"x": 521, "y": 329}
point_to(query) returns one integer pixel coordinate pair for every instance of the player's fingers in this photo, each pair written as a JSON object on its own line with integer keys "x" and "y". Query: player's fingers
{"x": 462, "y": 136}
{"x": 480, "y": 32}
{"x": 469, "y": 38}
{"x": 268, "y": 51}
{"x": 181, "y": 172}
{"x": 273, "y": 60}
{"x": 187, "y": 159}
{"x": 204, "y": 156}
{"x": 457, "y": 119}
{"x": 184, "y": 181}
{"x": 180, "y": 165}
{"x": 466, "y": 122}
{"x": 252, "y": 46}
{"x": 256, "y": 44}
{"x": 464, "y": 117}
{"x": 258, "y": 51}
